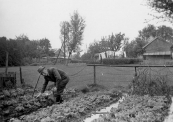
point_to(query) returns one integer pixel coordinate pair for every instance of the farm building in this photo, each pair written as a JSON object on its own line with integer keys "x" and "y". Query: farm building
{"x": 158, "y": 49}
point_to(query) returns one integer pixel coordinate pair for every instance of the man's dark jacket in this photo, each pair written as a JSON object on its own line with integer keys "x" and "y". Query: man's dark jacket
{"x": 57, "y": 76}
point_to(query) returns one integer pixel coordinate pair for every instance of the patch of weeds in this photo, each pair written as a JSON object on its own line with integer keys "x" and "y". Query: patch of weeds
{"x": 83, "y": 89}
{"x": 145, "y": 83}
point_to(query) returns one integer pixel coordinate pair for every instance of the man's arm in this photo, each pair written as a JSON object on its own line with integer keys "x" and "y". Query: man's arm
{"x": 57, "y": 76}
{"x": 44, "y": 85}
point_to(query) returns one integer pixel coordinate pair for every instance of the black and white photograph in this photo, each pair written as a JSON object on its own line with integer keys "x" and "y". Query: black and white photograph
{"x": 86, "y": 60}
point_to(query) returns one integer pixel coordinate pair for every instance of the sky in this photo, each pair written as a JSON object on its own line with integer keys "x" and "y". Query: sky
{"x": 39, "y": 19}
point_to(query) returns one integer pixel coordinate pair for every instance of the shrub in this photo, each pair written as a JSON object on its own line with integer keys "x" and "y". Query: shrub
{"x": 83, "y": 89}
{"x": 76, "y": 61}
{"x": 144, "y": 84}
{"x": 121, "y": 61}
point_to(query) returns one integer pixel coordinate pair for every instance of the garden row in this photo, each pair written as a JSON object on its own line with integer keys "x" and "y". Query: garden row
{"x": 20, "y": 101}
{"x": 138, "y": 109}
{"x": 74, "y": 110}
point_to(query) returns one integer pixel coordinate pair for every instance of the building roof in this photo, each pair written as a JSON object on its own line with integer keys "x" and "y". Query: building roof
{"x": 154, "y": 40}
{"x": 159, "y": 53}
{"x": 61, "y": 52}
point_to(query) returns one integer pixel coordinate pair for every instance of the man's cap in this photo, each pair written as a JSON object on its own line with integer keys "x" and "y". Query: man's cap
{"x": 40, "y": 69}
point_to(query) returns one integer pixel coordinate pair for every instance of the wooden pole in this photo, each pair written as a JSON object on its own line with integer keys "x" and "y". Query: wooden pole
{"x": 21, "y": 80}
{"x": 94, "y": 74}
{"x": 135, "y": 72}
{"x": 6, "y": 64}
{"x": 36, "y": 85}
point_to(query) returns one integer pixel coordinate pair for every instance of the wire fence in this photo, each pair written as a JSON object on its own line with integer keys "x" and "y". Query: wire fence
{"x": 123, "y": 74}
{"x": 116, "y": 75}
{"x": 110, "y": 76}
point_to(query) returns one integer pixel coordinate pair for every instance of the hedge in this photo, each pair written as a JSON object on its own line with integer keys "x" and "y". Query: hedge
{"x": 121, "y": 61}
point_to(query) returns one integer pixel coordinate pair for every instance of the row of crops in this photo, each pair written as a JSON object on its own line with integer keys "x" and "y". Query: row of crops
{"x": 138, "y": 109}
{"x": 18, "y": 105}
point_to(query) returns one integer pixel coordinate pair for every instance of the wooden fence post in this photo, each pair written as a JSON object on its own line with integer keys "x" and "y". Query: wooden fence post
{"x": 94, "y": 74}
{"x": 6, "y": 64}
{"x": 135, "y": 72}
{"x": 21, "y": 80}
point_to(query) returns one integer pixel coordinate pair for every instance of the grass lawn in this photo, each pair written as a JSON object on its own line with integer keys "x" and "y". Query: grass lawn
{"x": 80, "y": 75}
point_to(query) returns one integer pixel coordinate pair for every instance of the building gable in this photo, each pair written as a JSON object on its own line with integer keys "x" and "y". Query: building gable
{"x": 157, "y": 45}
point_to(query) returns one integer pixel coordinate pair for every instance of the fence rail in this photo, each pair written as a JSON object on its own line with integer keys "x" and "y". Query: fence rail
{"x": 107, "y": 75}
{"x": 135, "y": 67}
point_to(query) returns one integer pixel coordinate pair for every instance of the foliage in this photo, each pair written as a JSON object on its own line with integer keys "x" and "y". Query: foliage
{"x": 77, "y": 26}
{"x": 145, "y": 83}
{"x": 21, "y": 50}
{"x": 111, "y": 43}
{"x": 65, "y": 35}
{"x": 138, "y": 109}
{"x": 164, "y": 7}
{"x": 165, "y": 32}
{"x": 94, "y": 48}
{"x": 129, "y": 48}
{"x": 44, "y": 45}
{"x": 86, "y": 56}
{"x": 74, "y": 109}
{"x": 76, "y": 56}
{"x": 19, "y": 101}
{"x": 121, "y": 61}
{"x": 147, "y": 32}
{"x": 115, "y": 41}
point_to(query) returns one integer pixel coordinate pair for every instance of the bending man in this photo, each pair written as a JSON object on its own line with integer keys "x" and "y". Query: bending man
{"x": 57, "y": 76}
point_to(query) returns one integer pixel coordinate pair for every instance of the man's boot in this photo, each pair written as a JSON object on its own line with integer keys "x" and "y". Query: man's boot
{"x": 59, "y": 99}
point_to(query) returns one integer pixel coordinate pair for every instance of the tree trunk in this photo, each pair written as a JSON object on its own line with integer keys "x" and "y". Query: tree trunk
{"x": 64, "y": 44}
{"x": 47, "y": 59}
{"x": 6, "y": 64}
{"x": 68, "y": 58}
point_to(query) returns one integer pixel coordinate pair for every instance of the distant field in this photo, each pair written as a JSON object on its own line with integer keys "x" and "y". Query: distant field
{"x": 80, "y": 75}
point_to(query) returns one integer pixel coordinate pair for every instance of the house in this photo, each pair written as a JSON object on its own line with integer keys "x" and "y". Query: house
{"x": 60, "y": 53}
{"x": 158, "y": 49}
{"x": 108, "y": 54}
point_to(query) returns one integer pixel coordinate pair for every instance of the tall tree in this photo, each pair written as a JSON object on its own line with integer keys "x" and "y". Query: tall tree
{"x": 115, "y": 42}
{"x": 165, "y": 7}
{"x": 129, "y": 48}
{"x": 94, "y": 48}
{"x": 103, "y": 45}
{"x": 21, "y": 42}
{"x": 77, "y": 26}
{"x": 65, "y": 31}
{"x": 165, "y": 32}
{"x": 86, "y": 56}
{"x": 148, "y": 31}
{"x": 45, "y": 46}
{"x": 3, "y": 49}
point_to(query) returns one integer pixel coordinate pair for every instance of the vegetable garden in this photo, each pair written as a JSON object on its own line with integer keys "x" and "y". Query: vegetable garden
{"x": 146, "y": 99}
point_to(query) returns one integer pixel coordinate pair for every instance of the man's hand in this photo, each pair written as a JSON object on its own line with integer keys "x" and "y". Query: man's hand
{"x": 39, "y": 94}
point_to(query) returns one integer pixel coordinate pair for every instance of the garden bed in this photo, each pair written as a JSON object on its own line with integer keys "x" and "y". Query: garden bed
{"x": 73, "y": 110}
{"x": 139, "y": 109}
{"x": 20, "y": 101}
